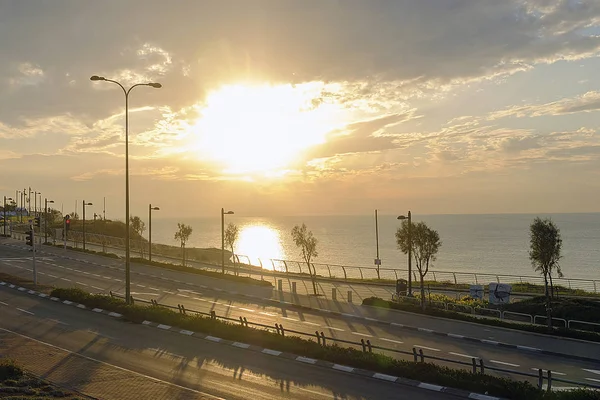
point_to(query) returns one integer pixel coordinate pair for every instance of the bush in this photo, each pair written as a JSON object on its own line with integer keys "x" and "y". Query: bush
{"x": 404, "y": 305}
{"x": 427, "y": 372}
{"x": 9, "y": 370}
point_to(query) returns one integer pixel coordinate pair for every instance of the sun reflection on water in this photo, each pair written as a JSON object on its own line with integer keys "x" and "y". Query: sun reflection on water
{"x": 259, "y": 242}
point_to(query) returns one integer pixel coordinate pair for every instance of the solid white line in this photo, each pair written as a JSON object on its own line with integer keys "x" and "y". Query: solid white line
{"x": 342, "y": 368}
{"x": 114, "y": 366}
{"x": 371, "y": 319}
{"x": 527, "y": 348}
{"x": 489, "y": 342}
{"x": 398, "y": 325}
{"x": 392, "y": 340}
{"x": 25, "y": 311}
{"x": 593, "y": 371}
{"x": 361, "y": 334}
{"x": 461, "y": 355}
{"x": 385, "y": 377}
{"x": 504, "y": 363}
{"x": 593, "y": 380}
{"x": 426, "y": 348}
{"x": 1, "y": 302}
{"x": 429, "y": 386}
{"x": 82, "y": 284}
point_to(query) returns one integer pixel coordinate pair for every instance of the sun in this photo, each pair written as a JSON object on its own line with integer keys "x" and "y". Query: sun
{"x": 264, "y": 128}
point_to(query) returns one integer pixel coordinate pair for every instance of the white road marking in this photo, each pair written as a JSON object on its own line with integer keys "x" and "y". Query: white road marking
{"x": 1, "y": 302}
{"x": 342, "y": 368}
{"x": 425, "y": 330}
{"x": 82, "y": 284}
{"x": 426, "y": 348}
{"x": 452, "y": 335}
{"x": 141, "y": 285}
{"x": 392, "y": 340}
{"x": 290, "y": 319}
{"x": 593, "y": 380}
{"x": 461, "y": 355}
{"x": 52, "y": 276}
{"x": 25, "y": 311}
{"x": 244, "y": 309}
{"x": 266, "y": 351}
{"x": 545, "y": 371}
{"x": 429, "y": 386}
{"x": 504, "y": 363}
{"x": 310, "y": 323}
{"x": 151, "y": 288}
{"x": 240, "y": 345}
{"x": 385, "y": 377}
{"x": 114, "y": 366}
{"x": 97, "y": 288}
{"x": 65, "y": 279}
{"x": 593, "y": 371}
{"x": 268, "y": 314}
{"x": 306, "y": 360}
{"x": 361, "y": 334}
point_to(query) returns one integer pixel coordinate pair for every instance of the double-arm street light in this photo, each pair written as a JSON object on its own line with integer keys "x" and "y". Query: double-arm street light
{"x": 83, "y": 224}
{"x": 150, "y": 209}
{"x": 4, "y": 219}
{"x": 46, "y": 202}
{"x": 409, "y": 252}
{"x": 223, "y": 212}
{"x": 127, "y": 245}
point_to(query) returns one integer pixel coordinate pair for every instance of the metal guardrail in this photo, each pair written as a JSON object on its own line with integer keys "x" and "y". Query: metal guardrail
{"x": 336, "y": 271}
{"x": 477, "y": 365}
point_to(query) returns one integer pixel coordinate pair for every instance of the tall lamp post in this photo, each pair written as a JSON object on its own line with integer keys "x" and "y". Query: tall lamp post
{"x": 150, "y": 209}
{"x": 127, "y": 245}
{"x": 223, "y": 212}
{"x": 46, "y": 202}
{"x": 4, "y": 219}
{"x": 83, "y": 223}
{"x": 409, "y": 252}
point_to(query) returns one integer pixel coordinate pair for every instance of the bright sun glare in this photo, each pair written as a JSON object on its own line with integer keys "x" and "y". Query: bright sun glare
{"x": 262, "y": 128}
{"x": 259, "y": 241}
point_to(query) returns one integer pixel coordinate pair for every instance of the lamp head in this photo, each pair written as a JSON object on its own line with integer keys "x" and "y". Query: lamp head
{"x": 155, "y": 85}
{"x": 97, "y": 78}
{"x": 50, "y": 201}
{"x": 402, "y": 217}
{"x": 155, "y": 208}
{"x": 229, "y": 212}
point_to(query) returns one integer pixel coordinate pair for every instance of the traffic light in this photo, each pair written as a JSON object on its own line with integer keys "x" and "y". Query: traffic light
{"x": 67, "y": 222}
{"x": 29, "y": 238}
{"x": 38, "y": 222}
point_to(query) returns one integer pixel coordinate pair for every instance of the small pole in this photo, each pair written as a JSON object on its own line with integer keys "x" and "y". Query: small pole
{"x": 33, "y": 247}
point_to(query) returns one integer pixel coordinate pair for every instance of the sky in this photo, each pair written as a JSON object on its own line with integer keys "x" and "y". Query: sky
{"x": 316, "y": 107}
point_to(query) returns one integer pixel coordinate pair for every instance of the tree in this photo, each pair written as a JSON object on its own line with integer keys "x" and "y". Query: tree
{"x": 138, "y": 227}
{"x": 183, "y": 234}
{"x": 231, "y": 236}
{"x": 307, "y": 243}
{"x": 545, "y": 245}
{"x": 425, "y": 244}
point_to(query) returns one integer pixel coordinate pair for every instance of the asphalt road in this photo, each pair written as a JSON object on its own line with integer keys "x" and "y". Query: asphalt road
{"x": 53, "y": 339}
{"x": 60, "y": 272}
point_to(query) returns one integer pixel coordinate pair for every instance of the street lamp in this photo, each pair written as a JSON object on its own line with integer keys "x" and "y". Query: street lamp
{"x": 46, "y": 201}
{"x": 83, "y": 224}
{"x": 223, "y": 238}
{"x": 150, "y": 209}
{"x": 127, "y": 245}
{"x": 409, "y": 252}
{"x": 5, "y": 198}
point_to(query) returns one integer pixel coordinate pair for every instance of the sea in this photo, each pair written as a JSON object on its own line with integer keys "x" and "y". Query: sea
{"x": 491, "y": 243}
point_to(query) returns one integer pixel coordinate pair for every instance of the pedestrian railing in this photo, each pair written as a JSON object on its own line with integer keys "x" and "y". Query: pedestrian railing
{"x": 476, "y": 364}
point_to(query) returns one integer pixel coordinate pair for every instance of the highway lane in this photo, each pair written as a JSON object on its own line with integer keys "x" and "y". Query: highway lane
{"x": 332, "y": 326}
{"x": 30, "y": 326}
{"x": 152, "y": 280}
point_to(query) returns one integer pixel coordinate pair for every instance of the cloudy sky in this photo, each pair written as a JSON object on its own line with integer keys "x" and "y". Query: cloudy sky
{"x": 278, "y": 107}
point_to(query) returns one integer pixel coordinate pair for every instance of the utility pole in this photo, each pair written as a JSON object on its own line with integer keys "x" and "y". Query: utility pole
{"x": 377, "y": 259}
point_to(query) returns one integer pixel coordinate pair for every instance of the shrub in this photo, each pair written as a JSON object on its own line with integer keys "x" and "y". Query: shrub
{"x": 9, "y": 370}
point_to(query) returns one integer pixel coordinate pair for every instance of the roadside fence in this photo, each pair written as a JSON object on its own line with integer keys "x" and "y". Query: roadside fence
{"x": 417, "y": 355}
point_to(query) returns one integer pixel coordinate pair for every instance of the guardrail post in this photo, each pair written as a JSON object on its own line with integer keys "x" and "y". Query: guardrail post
{"x": 453, "y": 274}
{"x": 245, "y": 322}
{"x": 474, "y": 361}
{"x": 179, "y": 308}
{"x": 415, "y": 354}
{"x": 345, "y": 275}
{"x": 369, "y": 346}
{"x": 421, "y": 355}
{"x": 549, "y": 388}
{"x": 540, "y": 379}
{"x": 333, "y": 294}
{"x": 364, "y": 347}
{"x": 281, "y": 329}
{"x": 241, "y": 321}
{"x": 329, "y": 269}
{"x": 323, "y": 338}
{"x": 349, "y": 296}
{"x": 213, "y": 315}
{"x": 131, "y": 300}
{"x": 481, "y": 366}
{"x": 318, "y": 337}
{"x": 183, "y": 310}
{"x": 277, "y": 327}
{"x": 111, "y": 294}
{"x": 361, "y": 274}
{"x": 294, "y": 287}
{"x": 280, "y": 285}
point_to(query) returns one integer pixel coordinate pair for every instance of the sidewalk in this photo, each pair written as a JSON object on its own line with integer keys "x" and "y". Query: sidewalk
{"x": 86, "y": 375}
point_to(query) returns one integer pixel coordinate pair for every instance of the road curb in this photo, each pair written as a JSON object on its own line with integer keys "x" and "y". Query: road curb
{"x": 275, "y": 353}
{"x": 521, "y": 348}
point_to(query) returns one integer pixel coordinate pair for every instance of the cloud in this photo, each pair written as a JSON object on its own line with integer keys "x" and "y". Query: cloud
{"x": 28, "y": 75}
{"x": 587, "y": 102}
